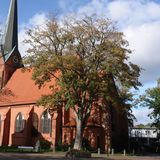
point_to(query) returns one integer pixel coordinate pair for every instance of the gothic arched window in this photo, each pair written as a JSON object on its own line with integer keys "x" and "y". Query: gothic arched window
{"x": 20, "y": 122}
{"x": 46, "y": 123}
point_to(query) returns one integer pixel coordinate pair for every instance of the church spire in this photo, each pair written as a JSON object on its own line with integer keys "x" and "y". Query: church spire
{"x": 10, "y": 53}
{"x": 10, "y": 41}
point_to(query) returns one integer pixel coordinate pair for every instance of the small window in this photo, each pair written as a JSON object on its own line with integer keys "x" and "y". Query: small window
{"x": 46, "y": 123}
{"x": 20, "y": 122}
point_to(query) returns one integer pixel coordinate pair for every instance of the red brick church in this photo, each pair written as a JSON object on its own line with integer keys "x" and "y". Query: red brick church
{"x": 22, "y": 123}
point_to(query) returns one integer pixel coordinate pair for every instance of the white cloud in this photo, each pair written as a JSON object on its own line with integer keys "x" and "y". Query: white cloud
{"x": 141, "y": 115}
{"x": 94, "y": 7}
{"x": 134, "y": 12}
{"x": 144, "y": 40}
{"x": 38, "y": 19}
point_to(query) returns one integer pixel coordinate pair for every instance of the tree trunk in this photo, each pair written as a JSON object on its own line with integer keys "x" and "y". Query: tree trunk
{"x": 79, "y": 135}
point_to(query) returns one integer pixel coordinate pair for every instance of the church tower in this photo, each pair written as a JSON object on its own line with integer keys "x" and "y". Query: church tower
{"x": 11, "y": 57}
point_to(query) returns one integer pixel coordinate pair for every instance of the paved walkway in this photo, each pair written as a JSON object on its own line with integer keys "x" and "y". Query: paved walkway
{"x": 121, "y": 157}
{"x": 60, "y": 156}
{"x": 134, "y": 158}
{"x": 26, "y": 156}
{"x": 46, "y": 156}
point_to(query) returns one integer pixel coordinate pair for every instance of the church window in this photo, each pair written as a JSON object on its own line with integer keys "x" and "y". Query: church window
{"x": 20, "y": 122}
{"x": 46, "y": 123}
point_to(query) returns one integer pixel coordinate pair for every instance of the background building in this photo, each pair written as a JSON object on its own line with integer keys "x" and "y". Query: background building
{"x": 144, "y": 138}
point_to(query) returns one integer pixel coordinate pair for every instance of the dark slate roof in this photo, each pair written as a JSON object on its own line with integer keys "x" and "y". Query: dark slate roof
{"x": 10, "y": 38}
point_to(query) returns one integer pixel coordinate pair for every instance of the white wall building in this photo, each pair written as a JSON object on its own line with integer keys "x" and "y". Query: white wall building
{"x": 143, "y": 132}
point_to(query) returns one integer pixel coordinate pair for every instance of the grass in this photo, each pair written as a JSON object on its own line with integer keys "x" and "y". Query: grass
{"x": 14, "y": 149}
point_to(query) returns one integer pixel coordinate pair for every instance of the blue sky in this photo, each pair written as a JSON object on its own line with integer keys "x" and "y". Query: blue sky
{"x": 28, "y": 8}
{"x": 138, "y": 19}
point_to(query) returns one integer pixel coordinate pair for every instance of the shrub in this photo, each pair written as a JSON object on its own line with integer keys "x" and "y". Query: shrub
{"x": 9, "y": 149}
{"x": 44, "y": 144}
{"x": 78, "y": 154}
{"x": 62, "y": 147}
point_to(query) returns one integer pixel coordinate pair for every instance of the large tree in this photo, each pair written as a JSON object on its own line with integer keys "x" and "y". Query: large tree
{"x": 128, "y": 100}
{"x": 86, "y": 57}
{"x": 151, "y": 99}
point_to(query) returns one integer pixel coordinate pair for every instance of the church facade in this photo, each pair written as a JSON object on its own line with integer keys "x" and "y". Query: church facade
{"x": 22, "y": 122}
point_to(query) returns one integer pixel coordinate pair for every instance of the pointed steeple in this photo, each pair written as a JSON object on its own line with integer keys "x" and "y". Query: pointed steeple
{"x": 10, "y": 39}
{"x": 11, "y": 57}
